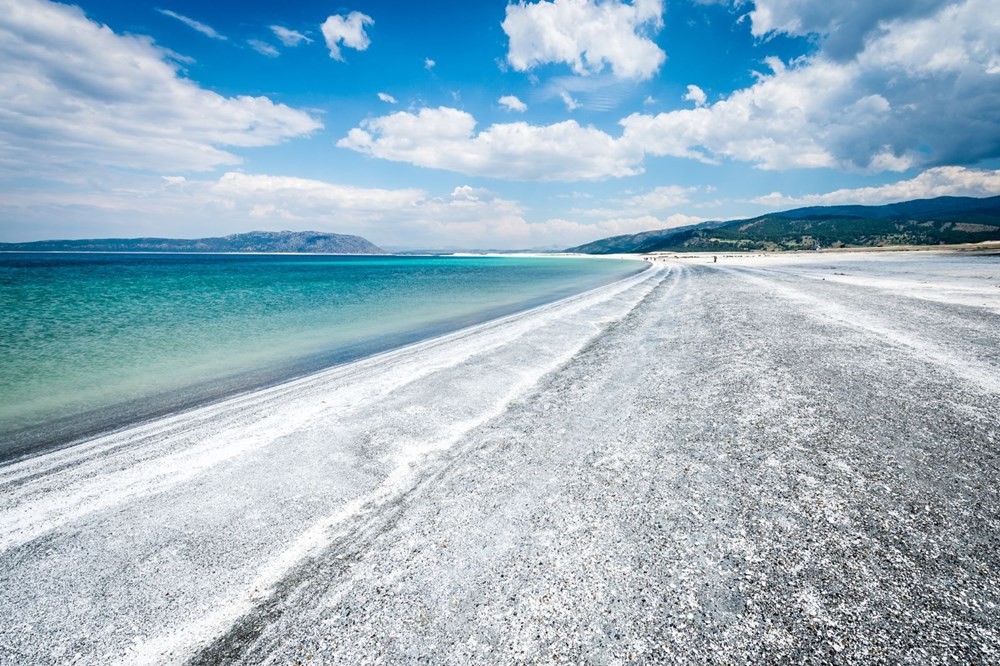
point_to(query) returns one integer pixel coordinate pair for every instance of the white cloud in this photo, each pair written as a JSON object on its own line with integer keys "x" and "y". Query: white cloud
{"x": 843, "y": 25}
{"x": 512, "y": 103}
{"x": 387, "y": 98}
{"x": 923, "y": 92}
{"x": 665, "y": 196}
{"x": 73, "y": 92}
{"x": 645, "y": 204}
{"x": 429, "y": 64}
{"x": 263, "y": 48}
{"x": 289, "y": 37}
{"x": 467, "y": 217}
{"x": 696, "y": 95}
{"x": 471, "y": 193}
{"x": 587, "y": 35}
{"x": 183, "y": 207}
{"x": 302, "y": 197}
{"x": 393, "y": 213}
{"x": 445, "y": 138}
{"x": 919, "y": 93}
{"x": 571, "y": 104}
{"x": 772, "y": 124}
{"x": 937, "y": 182}
{"x": 206, "y": 30}
{"x": 348, "y": 31}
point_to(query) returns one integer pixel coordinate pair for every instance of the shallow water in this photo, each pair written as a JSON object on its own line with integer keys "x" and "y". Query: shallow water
{"x": 91, "y": 341}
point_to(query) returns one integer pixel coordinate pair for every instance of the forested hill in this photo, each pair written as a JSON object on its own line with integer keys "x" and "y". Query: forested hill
{"x": 944, "y": 220}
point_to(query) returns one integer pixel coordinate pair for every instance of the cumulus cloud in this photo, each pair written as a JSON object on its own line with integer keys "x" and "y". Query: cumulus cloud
{"x": 843, "y": 26}
{"x": 696, "y": 95}
{"x": 206, "y": 30}
{"x": 289, "y": 37}
{"x": 467, "y": 216}
{"x": 73, "y": 92}
{"x": 919, "y": 93}
{"x": 429, "y": 64}
{"x": 446, "y": 138}
{"x": 587, "y": 35}
{"x": 643, "y": 205}
{"x": 263, "y": 48}
{"x": 346, "y": 31}
{"x": 512, "y": 103}
{"x": 773, "y": 124}
{"x": 471, "y": 193}
{"x": 659, "y": 198}
{"x": 289, "y": 198}
{"x": 937, "y": 182}
{"x": 179, "y": 206}
{"x": 387, "y": 98}
{"x": 303, "y": 197}
{"x": 923, "y": 92}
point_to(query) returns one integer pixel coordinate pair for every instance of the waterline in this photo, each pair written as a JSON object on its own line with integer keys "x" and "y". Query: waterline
{"x": 94, "y": 342}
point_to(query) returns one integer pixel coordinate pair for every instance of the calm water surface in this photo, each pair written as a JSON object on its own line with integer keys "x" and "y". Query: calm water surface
{"x": 94, "y": 341}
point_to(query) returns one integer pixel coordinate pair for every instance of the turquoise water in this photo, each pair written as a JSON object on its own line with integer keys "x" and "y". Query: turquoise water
{"x": 92, "y": 341}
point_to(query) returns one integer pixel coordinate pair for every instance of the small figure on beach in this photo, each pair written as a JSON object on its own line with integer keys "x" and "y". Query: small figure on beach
{"x": 714, "y": 258}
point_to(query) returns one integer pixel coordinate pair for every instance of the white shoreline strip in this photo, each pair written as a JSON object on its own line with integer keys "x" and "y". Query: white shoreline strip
{"x": 109, "y": 470}
{"x": 149, "y": 478}
{"x": 185, "y": 639}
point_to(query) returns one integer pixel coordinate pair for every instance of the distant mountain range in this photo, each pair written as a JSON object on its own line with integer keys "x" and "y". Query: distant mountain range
{"x": 255, "y": 241}
{"x": 944, "y": 220}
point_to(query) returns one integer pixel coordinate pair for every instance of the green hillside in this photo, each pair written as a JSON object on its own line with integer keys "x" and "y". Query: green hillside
{"x": 945, "y": 220}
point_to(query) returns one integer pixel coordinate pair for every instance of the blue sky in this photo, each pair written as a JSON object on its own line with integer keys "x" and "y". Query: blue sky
{"x": 484, "y": 124}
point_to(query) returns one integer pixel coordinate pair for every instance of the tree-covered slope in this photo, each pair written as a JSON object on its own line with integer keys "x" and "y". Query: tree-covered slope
{"x": 944, "y": 220}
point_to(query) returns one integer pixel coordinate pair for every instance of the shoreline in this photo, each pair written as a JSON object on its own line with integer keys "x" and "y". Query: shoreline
{"x": 388, "y": 415}
{"x": 667, "y": 466}
{"x": 20, "y": 444}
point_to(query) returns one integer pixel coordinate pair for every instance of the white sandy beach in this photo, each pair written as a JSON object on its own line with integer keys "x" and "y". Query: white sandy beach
{"x": 771, "y": 458}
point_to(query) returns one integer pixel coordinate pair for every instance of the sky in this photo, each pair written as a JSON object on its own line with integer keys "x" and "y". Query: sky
{"x": 492, "y": 125}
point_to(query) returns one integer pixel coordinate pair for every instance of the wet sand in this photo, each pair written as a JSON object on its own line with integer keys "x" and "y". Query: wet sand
{"x": 777, "y": 459}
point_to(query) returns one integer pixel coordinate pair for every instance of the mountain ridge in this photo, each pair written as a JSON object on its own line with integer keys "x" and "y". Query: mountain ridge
{"x": 304, "y": 242}
{"x": 940, "y": 220}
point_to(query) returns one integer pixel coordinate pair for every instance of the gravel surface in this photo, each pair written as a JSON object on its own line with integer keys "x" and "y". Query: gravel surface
{"x": 755, "y": 461}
